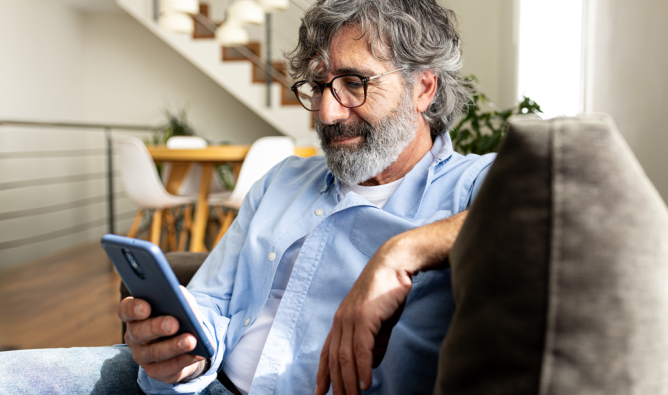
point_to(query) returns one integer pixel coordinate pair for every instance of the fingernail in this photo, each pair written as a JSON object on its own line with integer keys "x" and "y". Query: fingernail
{"x": 362, "y": 386}
{"x": 166, "y": 325}
{"x": 139, "y": 310}
{"x": 183, "y": 343}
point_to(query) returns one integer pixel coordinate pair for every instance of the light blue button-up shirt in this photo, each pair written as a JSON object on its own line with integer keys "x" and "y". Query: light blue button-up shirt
{"x": 234, "y": 282}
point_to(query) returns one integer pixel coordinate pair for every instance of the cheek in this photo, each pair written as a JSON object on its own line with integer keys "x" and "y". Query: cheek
{"x": 376, "y": 108}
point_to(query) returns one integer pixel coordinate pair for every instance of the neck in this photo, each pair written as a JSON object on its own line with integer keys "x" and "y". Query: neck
{"x": 408, "y": 158}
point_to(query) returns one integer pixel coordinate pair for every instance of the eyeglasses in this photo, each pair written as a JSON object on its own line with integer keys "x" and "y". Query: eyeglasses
{"x": 349, "y": 90}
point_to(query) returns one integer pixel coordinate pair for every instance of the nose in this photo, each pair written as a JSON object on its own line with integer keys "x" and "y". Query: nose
{"x": 331, "y": 111}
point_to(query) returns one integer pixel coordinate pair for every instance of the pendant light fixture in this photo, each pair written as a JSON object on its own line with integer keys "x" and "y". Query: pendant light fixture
{"x": 183, "y": 6}
{"x": 231, "y": 33}
{"x": 274, "y": 5}
{"x": 246, "y": 12}
{"x": 176, "y": 22}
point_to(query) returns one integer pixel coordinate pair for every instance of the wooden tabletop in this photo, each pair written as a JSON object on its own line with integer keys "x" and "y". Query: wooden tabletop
{"x": 212, "y": 153}
{"x": 208, "y": 157}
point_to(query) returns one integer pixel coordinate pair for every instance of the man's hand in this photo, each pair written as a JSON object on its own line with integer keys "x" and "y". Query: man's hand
{"x": 362, "y": 324}
{"x": 348, "y": 354}
{"x": 163, "y": 360}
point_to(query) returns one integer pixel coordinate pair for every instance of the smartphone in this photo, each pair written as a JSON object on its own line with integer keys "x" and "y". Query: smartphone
{"x": 148, "y": 276}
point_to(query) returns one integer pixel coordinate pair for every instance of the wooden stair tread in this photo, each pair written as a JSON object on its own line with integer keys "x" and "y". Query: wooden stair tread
{"x": 231, "y": 53}
{"x": 202, "y": 31}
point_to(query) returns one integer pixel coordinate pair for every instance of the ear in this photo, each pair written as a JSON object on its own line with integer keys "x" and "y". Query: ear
{"x": 425, "y": 89}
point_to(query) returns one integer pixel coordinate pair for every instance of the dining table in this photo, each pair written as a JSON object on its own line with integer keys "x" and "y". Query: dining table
{"x": 209, "y": 157}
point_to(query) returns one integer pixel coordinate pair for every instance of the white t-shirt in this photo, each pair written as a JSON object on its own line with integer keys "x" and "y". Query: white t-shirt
{"x": 242, "y": 362}
{"x": 377, "y": 195}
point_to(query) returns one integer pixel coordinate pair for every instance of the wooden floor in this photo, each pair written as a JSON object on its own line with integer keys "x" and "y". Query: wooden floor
{"x": 64, "y": 300}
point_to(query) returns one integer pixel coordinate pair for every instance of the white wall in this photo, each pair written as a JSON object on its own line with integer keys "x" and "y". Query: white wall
{"x": 61, "y": 64}
{"x": 131, "y": 75}
{"x": 42, "y": 49}
{"x": 490, "y": 51}
{"x": 627, "y": 76}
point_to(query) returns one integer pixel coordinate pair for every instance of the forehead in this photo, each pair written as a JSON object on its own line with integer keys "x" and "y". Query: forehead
{"x": 350, "y": 52}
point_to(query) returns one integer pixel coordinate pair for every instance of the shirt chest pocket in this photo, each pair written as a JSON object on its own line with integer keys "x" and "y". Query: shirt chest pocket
{"x": 373, "y": 227}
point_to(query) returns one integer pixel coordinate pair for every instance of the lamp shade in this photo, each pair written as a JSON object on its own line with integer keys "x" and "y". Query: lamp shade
{"x": 184, "y": 6}
{"x": 246, "y": 11}
{"x": 176, "y": 22}
{"x": 274, "y": 5}
{"x": 232, "y": 33}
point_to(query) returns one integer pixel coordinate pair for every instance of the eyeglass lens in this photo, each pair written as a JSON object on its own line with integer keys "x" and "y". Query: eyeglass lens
{"x": 348, "y": 90}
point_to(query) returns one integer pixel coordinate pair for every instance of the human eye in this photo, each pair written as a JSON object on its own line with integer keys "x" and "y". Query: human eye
{"x": 351, "y": 83}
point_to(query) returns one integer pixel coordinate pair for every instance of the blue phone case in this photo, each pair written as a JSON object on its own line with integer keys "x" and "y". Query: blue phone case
{"x": 148, "y": 276}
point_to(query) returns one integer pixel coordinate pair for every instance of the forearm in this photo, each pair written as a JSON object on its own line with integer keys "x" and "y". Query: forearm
{"x": 423, "y": 248}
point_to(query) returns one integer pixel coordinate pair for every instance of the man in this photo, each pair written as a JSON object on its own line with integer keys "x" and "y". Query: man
{"x": 382, "y": 78}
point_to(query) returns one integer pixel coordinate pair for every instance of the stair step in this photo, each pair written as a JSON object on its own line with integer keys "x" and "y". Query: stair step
{"x": 201, "y": 30}
{"x": 231, "y": 53}
{"x": 260, "y": 76}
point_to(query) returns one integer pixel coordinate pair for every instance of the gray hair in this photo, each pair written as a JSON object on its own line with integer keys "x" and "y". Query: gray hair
{"x": 417, "y": 34}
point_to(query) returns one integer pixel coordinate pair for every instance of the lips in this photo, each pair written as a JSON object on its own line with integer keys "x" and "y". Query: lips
{"x": 344, "y": 139}
{"x": 341, "y": 134}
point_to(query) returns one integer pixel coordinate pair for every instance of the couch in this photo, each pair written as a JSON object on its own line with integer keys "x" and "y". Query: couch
{"x": 560, "y": 272}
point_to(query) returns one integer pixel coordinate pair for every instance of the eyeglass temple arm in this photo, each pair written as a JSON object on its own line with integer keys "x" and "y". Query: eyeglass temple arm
{"x": 389, "y": 72}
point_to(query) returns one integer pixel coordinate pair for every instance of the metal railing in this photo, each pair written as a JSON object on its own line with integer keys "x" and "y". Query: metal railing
{"x": 264, "y": 64}
{"x": 107, "y": 129}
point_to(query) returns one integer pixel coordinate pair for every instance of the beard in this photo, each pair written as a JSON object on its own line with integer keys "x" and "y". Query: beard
{"x": 382, "y": 143}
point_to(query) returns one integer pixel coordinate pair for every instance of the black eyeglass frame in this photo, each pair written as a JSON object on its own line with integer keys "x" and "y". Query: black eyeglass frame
{"x": 324, "y": 86}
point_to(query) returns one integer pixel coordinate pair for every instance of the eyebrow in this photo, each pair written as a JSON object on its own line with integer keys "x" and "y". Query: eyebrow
{"x": 353, "y": 70}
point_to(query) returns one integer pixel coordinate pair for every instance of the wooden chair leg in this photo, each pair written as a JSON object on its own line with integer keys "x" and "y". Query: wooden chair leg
{"x": 227, "y": 221}
{"x": 171, "y": 231}
{"x": 136, "y": 222}
{"x": 156, "y": 227}
{"x": 187, "y": 225}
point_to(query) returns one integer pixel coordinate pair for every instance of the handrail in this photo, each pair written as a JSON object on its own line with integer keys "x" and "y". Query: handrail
{"x": 304, "y": 6}
{"x": 256, "y": 60}
{"x": 81, "y": 125}
{"x": 107, "y": 129}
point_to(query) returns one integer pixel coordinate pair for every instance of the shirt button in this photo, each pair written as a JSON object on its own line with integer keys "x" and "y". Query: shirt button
{"x": 247, "y": 322}
{"x": 272, "y": 256}
{"x": 319, "y": 212}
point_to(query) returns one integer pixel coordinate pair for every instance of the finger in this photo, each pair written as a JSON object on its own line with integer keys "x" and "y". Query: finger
{"x": 334, "y": 368}
{"x": 192, "y": 302}
{"x": 143, "y": 332}
{"x": 347, "y": 358}
{"x": 363, "y": 344}
{"x": 164, "y": 350}
{"x": 131, "y": 309}
{"x": 174, "y": 369}
{"x": 322, "y": 379}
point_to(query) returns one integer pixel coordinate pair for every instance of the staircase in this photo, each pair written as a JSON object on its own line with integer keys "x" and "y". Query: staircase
{"x": 232, "y": 70}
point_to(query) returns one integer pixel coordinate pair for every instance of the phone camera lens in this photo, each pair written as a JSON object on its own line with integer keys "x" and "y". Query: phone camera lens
{"x": 133, "y": 264}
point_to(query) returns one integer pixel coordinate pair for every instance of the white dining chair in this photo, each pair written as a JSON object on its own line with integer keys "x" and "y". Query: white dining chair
{"x": 264, "y": 154}
{"x": 144, "y": 188}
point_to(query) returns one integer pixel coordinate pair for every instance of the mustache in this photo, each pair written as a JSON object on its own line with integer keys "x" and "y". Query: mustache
{"x": 328, "y": 133}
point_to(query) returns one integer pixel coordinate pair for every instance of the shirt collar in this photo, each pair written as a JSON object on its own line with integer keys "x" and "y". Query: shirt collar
{"x": 440, "y": 150}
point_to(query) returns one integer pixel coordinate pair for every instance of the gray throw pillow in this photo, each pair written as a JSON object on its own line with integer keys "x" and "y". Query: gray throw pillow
{"x": 560, "y": 273}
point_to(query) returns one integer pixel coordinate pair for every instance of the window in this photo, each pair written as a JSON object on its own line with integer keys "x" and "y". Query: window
{"x": 550, "y": 55}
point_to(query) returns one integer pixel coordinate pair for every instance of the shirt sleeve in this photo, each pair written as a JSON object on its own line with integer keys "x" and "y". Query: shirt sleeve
{"x": 478, "y": 183}
{"x": 212, "y": 287}
{"x": 471, "y": 180}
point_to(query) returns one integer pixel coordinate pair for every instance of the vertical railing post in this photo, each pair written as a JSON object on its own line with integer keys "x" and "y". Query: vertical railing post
{"x": 110, "y": 179}
{"x": 156, "y": 10}
{"x": 268, "y": 77}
